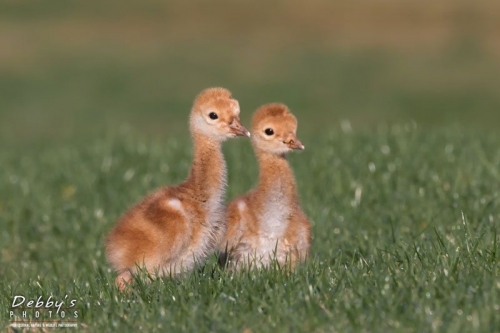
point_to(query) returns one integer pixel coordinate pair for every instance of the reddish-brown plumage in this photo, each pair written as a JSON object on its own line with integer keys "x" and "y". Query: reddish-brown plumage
{"x": 267, "y": 222}
{"x": 176, "y": 226}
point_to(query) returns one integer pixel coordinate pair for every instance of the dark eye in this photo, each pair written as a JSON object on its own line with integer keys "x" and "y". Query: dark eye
{"x": 213, "y": 115}
{"x": 269, "y": 131}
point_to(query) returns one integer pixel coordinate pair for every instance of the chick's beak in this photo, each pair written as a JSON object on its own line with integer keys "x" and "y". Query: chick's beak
{"x": 294, "y": 143}
{"x": 236, "y": 128}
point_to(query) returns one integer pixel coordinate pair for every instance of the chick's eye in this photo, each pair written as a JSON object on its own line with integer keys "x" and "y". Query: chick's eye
{"x": 269, "y": 131}
{"x": 213, "y": 115}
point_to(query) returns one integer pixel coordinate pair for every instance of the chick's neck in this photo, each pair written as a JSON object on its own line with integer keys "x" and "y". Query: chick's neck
{"x": 275, "y": 171}
{"x": 208, "y": 170}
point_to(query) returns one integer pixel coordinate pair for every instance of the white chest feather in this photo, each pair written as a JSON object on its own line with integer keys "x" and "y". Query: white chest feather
{"x": 274, "y": 219}
{"x": 215, "y": 202}
{"x": 215, "y": 207}
{"x": 213, "y": 227}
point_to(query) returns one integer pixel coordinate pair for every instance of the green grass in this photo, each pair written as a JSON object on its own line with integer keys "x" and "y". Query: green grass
{"x": 415, "y": 251}
{"x": 93, "y": 114}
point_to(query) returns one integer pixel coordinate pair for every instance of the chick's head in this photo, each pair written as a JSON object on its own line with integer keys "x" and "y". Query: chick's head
{"x": 215, "y": 114}
{"x": 274, "y": 129}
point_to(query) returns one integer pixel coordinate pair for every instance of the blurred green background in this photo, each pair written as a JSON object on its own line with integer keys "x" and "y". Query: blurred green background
{"x": 74, "y": 70}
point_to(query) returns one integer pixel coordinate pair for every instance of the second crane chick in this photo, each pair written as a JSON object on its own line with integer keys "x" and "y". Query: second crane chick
{"x": 267, "y": 223}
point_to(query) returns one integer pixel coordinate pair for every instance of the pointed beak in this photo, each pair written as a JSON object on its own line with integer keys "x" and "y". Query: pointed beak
{"x": 238, "y": 129}
{"x": 294, "y": 143}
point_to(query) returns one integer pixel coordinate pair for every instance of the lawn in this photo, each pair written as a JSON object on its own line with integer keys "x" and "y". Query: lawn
{"x": 404, "y": 224}
{"x": 397, "y": 103}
